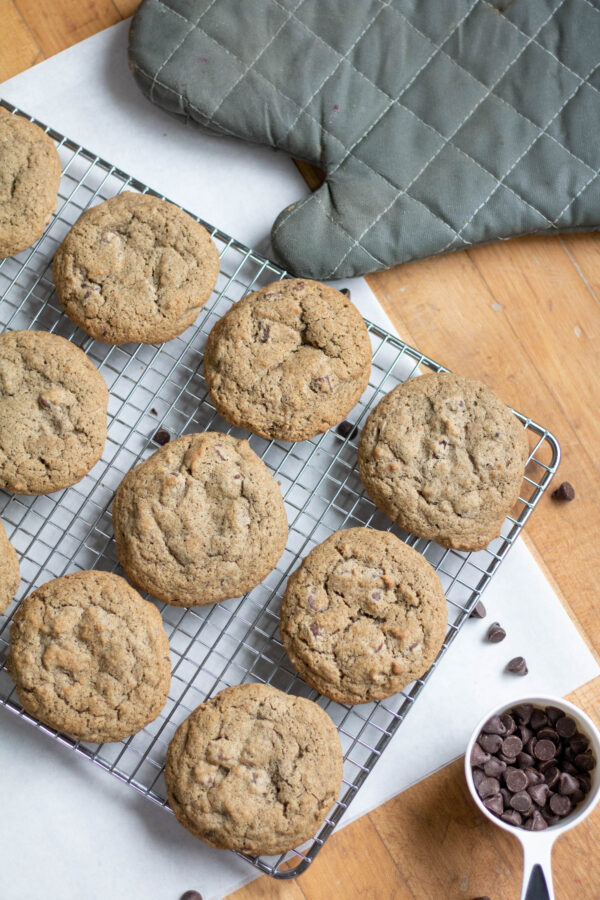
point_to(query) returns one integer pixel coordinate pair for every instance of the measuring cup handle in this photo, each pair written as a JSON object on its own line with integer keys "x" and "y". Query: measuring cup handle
{"x": 537, "y": 869}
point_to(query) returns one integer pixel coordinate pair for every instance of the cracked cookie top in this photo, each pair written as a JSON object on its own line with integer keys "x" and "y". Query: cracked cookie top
{"x": 200, "y": 521}
{"x": 254, "y": 770}
{"x": 10, "y": 576}
{"x": 29, "y": 178}
{"x": 135, "y": 268}
{"x": 444, "y": 457}
{"x": 363, "y": 616}
{"x": 288, "y": 361}
{"x": 90, "y": 657}
{"x": 53, "y": 404}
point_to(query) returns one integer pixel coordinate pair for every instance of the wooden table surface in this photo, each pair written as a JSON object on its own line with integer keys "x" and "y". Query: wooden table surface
{"x": 524, "y": 316}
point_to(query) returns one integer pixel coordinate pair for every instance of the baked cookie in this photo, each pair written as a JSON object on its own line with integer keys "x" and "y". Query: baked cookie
{"x": 201, "y": 520}
{"x": 10, "y": 576}
{"x": 363, "y": 616}
{"x": 289, "y": 361}
{"x": 29, "y": 179}
{"x": 135, "y": 268}
{"x": 53, "y": 404}
{"x": 90, "y": 657}
{"x": 254, "y": 770}
{"x": 444, "y": 457}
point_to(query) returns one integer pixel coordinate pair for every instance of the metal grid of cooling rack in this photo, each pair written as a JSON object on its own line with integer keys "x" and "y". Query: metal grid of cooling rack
{"x": 238, "y": 640}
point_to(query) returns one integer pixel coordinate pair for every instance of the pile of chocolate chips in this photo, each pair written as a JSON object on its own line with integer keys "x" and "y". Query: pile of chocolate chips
{"x": 531, "y": 766}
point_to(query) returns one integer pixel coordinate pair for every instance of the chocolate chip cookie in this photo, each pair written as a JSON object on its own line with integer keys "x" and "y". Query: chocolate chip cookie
{"x": 201, "y": 520}
{"x": 135, "y": 268}
{"x": 444, "y": 457}
{"x": 254, "y": 770}
{"x": 363, "y": 616}
{"x": 29, "y": 179}
{"x": 10, "y": 576}
{"x": 53, "y": 404}
{"x": 90, "y": 657}
{"x": 288, "y": 361}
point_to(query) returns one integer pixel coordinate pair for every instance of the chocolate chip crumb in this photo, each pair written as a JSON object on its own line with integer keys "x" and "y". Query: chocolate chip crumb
{"x": 496, "y": 633}
{"x": 479, "y": 611}
{"x": 347, "y": 430}
{"x": 345, "y": 292}
{"x": 517, "y": 666}
{"x": 565, "y": 491}
{"x": 162, "y": 437}
{"x": 154, "y": 412}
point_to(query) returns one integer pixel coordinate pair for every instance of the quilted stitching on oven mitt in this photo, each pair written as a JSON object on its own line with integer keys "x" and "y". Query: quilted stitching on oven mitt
{"x": 440, "y": 123}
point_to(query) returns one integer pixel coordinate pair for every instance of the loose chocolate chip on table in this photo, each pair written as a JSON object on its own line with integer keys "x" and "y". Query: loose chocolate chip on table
{"x": 538, "y": 719}
{"x": 560, "y": 805}
{"x": 517, "y": 666}
{"x": 481, "y": 898}
{"x": 512, "y": 746}
{"x": 496, "y": 633}
{"x": 566, "y": 727}
{"x": 495, "y": 804}
{"x": 491, "y": 743}
{"x": 347, "y": 430}
{"x": 567, "y": 784}
{"x": 479, "y": 756}
{"x": 564, "y": 491}
{"x": 544, "y": 750}
{"x": 512, "y": 817}
{"x": 162, "y": 437}
{"x": 522, "y": 802}
{"x": 585, "y": 762}
{"x": 515, "y": 780}
{"x": 154, "y": 412}
{"x": 488, "y": 787}
{"x": 479, "y": 611}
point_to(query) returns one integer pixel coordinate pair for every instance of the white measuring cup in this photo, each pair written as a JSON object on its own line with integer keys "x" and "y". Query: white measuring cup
{"x": 537, "y": 845}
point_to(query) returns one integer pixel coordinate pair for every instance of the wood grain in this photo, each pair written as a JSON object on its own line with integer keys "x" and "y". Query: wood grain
{"x": 524, "y": 316}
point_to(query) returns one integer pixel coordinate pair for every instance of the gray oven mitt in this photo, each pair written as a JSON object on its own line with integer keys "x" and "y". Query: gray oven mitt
{"x": 440, "y": 123}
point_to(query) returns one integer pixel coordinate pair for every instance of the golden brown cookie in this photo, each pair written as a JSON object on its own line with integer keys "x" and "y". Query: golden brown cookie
{"x": 53, "y": 404}
{"x": 10, "y": 576}
{"x": 29, "y": 179}
{"x": 201, "y": 520}
{"x": 135, "y": 268}
{"x": 288, "y": 361}
{"x": 363, "y": 616}
{"x": 90, "y": 657}
{"x": 444, "y": 457}
{"x": 254, "y": 770}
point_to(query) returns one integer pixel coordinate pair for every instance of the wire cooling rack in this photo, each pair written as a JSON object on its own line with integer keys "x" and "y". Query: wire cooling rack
{"x": 238, "y": 640}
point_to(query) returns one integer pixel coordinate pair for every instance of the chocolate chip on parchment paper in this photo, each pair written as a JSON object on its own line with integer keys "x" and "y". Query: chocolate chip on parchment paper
{"x": 479, "y": 611}
{"x": 564, "y": 491}
{"x": 496, "y": 633}
{"x": 517, "y": 666}
{"x": 162, "y": 437}
{"x": 347, "y": 430}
